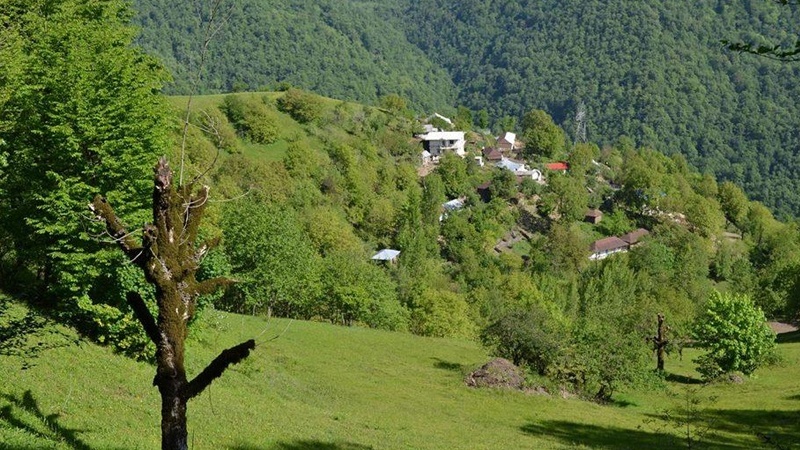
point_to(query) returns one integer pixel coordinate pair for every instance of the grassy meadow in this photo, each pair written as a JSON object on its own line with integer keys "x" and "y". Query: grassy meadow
{"x": 317, "y": 386}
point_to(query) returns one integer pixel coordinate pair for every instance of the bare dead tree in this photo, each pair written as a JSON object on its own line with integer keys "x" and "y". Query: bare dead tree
{"x": 169, "y": 257}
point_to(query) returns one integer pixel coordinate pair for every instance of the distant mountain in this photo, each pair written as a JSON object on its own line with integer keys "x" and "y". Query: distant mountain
{"x": 342, "y": 49}
{"x": 654, "y": 71}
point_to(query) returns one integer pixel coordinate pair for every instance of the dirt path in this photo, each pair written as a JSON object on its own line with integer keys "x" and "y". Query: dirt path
{"x": 780, "y": 327}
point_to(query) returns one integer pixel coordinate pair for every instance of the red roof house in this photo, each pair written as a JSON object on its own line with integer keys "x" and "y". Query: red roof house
{"x": 560, "y": 165}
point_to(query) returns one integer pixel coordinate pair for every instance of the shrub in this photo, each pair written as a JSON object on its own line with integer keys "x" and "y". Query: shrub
{"x": 302, "y": 106}
{"x": 734, "y": 332}
{"x": 525, "y": 336}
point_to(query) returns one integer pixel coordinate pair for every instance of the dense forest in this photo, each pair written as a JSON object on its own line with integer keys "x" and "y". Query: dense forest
{"x": 655, "y": 72}
{"x": 341, "y": 49}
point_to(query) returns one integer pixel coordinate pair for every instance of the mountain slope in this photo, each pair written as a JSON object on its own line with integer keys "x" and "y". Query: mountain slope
{"x": 653, "y": 71}
{"x": 339, "y": 49}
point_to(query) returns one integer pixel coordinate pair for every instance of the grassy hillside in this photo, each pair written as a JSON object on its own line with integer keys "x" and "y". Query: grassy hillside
{"x": 316, "y": 386}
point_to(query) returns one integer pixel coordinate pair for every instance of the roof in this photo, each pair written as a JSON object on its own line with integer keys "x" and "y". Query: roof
{"x": 386, "y": 254}
{"x": 454, "y": 204}
{"x": 442, "y": 117}
{"x": 492, "y": 154}
{"x": 560, "y": 165}
{"x": 606, "y": 244}
{"x": 508, "y": 164}
{"x": 634, "y": 236}
{"x": 443, "y": 136}
{"x": 485, "y": 185}
{"x": 509, "y": 137}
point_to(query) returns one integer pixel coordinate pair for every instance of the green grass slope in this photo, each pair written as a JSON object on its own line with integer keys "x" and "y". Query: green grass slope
{"x": 316, "y": 386}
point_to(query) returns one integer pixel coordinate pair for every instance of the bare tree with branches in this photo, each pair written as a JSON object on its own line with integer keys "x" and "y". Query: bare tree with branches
{"x": 169, "y": 257}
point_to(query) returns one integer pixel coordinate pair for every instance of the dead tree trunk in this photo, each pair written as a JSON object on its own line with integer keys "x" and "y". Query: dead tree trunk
{"x": 660, "y": 342}
{"x": 170, "y": 258}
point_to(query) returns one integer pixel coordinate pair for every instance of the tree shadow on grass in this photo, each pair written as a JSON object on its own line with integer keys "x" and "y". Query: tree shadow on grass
{"x": 447, "y": 365}
{"x": 23, "y": 413}
{"x": 593, "y": 436}
{"x": 776, "y": 429}
{"x": 307, "y": 445}
{"x": 681, "y": 379}
{"x": 792, "y": 336}
{"x": 572, "y": 433}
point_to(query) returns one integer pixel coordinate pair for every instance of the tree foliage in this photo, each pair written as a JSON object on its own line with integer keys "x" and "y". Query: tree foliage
{"x": 82, "y": 115}
{"x": 735, "y": 335}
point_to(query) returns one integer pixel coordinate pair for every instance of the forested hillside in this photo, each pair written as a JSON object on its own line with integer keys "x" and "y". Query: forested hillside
{"x": 341, "y": 49}
{"x": 653, "y": 71}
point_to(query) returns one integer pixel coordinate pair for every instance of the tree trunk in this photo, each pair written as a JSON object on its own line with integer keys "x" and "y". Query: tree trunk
{"x": 173, "y": 419}
{"x": 660, "y": 343}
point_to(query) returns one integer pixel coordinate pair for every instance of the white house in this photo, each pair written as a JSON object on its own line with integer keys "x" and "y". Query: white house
{"x": 439, "y": 142}
{"x": 519, "y": 169}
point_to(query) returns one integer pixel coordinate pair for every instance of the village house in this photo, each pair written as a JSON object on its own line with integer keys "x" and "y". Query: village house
{"x": 492, "y": 154}
{"x": 519, "y": 169}
{"x": 507, "y": 142}
{"x": 608, "y": 246}
{"x": 450, "y": 206}
{"x": 634, "y": 237}
{"x": 593, "y": 216}
{"x": 602, "y": 248}
{"x": 387, "y": 255}
{"x": 439, "y": 142}
{"x": 560, "y": 166}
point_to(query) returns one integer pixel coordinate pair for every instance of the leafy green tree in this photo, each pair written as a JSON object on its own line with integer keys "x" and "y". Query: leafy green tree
{"x": 705, "y": 215}
{"x": 358, "y": 291}
{"x": 570, "y": 196}
{"x": 251, "y": 117}
{"x": 394, "y": 103}
{"x": 568, "y": 247}
{"x": 527, "y": 335}
{"x": 463, "y": 120}
{"x": 735, "y": 335}
{"x": 542, "y": 136}
{"x": 504, "y": 185}
{"x": 453, "y": 170}
{"x": 734, "y": 203}
{"x": 581, "y": 157}
{"x": 272, "y": 256}
{"x": 442, "y": 313}
{"x": 84, "y": 117}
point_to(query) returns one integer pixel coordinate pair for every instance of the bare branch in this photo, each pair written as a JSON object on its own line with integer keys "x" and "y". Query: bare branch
{"x": 142, "y": 313}
{"x": 212, "y": 284}
{"x": 103, "y": 211}
{"x": 214, "y": 370}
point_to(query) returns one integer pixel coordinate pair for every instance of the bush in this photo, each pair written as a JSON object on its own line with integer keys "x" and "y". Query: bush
{"x": 526, "y": 336}
{"x": 302, "y": 106}
{"x": 251, "y": 118}
{"x": 734, "y": 332}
